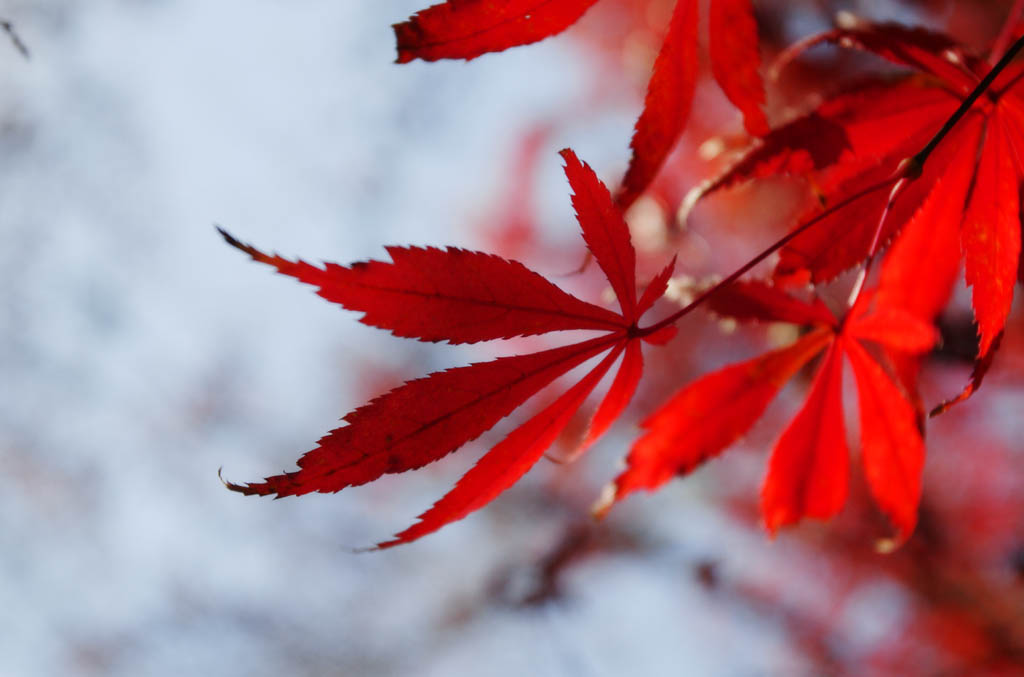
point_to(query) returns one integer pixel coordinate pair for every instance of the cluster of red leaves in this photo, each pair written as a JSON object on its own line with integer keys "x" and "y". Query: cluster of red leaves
{"x": 888, "y": 167}
{"x": 966, "y": 198}
{"x": 808, "y": 471}
{"x": 466, "y": 29}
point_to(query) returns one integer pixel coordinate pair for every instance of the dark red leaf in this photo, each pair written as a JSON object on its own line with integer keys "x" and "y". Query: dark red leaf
{"x": 446, "y": 294}
{"x": 845, "y": 136}
{"x": 918, "y": 48}
{"x": 465, "y": 29}
{"x": 667, "y": 105}
{"x": 735, "y": 59}
{"x": 892, "y": 450}
{"x": 808, "y": 474}
{"x": 424, "y": 420}
{"x": 503, "y": 465}
{"x": 763, "y": 302}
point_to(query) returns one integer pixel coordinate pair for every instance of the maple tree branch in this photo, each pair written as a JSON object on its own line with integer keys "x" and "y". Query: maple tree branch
{"x": 913, "y": 168}
{"x": 7, "y": 27}
{"x": 778, "y": 244}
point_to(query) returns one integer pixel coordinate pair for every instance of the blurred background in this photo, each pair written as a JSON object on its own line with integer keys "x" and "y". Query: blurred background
{"x": 139, "y": 354}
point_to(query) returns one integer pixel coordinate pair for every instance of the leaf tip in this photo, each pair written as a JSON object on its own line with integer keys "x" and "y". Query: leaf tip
{"x": 604, "y": 502}
{"x": 240, "y": 488}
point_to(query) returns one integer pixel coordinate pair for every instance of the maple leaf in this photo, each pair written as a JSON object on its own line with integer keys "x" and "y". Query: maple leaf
{"x": 808, "y": 471}
{"x": 967, "y": 192}
{"x": 466, "y": 29}
{"x": 462, "y": 296}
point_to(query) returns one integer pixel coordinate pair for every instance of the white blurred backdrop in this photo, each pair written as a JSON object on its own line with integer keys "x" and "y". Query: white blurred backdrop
{"x": 139, "y": 353}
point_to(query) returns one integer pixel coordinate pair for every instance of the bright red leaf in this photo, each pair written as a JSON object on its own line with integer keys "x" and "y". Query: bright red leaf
{"x": 425, "y": 419}
{"x": 503, "y": 465}
{"x": 892, "y": 450}
{"x": 809, "y": 469}
{"x": 604, "y": 231}
{"x": 667, "y": 105}
{"x": 708, "y": 415}
{"x": 461, "y": 296}
{"x": 990, "y": 235}
{"x": 619, "y": 394}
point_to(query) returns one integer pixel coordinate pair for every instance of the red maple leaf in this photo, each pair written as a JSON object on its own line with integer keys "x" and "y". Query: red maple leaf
{"x": 858, "y": 144}
{"x": 466, "y": 29}
{"x": 462, "y": 296}
{"x": 808, "y": 471}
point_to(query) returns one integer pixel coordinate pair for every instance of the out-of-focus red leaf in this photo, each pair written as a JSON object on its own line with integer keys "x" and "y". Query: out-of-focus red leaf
{"x": 892, "y": 450}
{"x": 921, "y": 49}
{"x": 990, "y": 235}
{"x": 708, "y": 415}
{"x": 981, "y": 367}
{"x": 604, "y": 231}
{"x": 797, "y": 148}
{"x": 424, "y": 420}
{"x": 465, "y": 29}
{"x": 446, "y": 294}
{"x": 656, "y": 289}
{"x": 735, "y": 59}
{"x": 842, "y": 239}
{"x": 763, "y": 302}
{"x": 452, "y": 294}
{"x": 667, "y": 105}
{"x": 619, "y": 394}
{"x": 503, "y": 465}
{"x": 808, "y": 474}
{"x": 896, "y": 329}
{"x": 844, "y": 136}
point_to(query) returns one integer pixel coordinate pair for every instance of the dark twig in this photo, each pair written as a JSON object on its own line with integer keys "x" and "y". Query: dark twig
{"x": 16, "y": 40}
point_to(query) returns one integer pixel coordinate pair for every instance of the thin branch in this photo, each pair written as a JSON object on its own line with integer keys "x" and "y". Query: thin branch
{"x": 917, "y": 162}
{"x": 735, "y": 275}
{"x": 876, "y": 241}
{"x": 16, "y": 40}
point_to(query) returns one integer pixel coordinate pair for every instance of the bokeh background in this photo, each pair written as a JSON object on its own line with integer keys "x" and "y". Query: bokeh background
{"x": 139, "y": 354}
